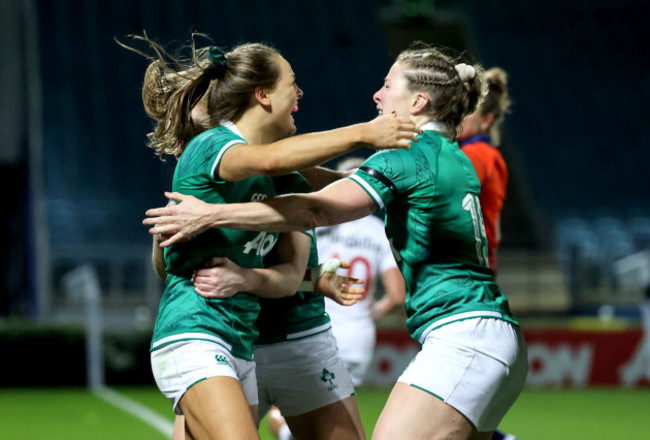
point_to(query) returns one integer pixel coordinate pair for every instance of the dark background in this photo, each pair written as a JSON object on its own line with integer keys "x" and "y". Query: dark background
{"x": 75, "y": 171}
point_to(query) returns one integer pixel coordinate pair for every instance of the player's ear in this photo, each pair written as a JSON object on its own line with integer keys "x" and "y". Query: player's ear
{"x": 262, "y": 96}
{"x": 419, "y": 103}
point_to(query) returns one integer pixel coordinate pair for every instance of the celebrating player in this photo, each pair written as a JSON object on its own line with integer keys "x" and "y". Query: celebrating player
{"x": 473, "y": 361}
{"x": 202, "y": 349}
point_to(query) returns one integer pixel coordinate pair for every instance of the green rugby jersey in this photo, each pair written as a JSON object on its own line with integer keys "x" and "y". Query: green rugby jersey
{"x": 302, "y": 314}
{"x": 183, "y": 314}
{"x": 435, "y": 226}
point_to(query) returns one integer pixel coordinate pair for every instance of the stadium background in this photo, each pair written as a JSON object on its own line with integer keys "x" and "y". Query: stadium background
{"x": 77, "y": 177}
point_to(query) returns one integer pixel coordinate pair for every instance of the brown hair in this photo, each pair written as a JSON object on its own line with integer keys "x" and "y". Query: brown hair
{"x": 497, "y": 101}
{"x": 173, "y": 86}
{"x": 454, "y": 89}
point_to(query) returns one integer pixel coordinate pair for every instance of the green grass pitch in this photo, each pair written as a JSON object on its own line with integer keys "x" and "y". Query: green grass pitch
{"x": 70, "y": 414}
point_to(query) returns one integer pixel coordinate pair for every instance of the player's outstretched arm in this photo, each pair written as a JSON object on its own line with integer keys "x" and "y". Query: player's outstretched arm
{"x": 319, "y": 177}
{"x": 308, "y": 150}
{"x": 340, "y": 202}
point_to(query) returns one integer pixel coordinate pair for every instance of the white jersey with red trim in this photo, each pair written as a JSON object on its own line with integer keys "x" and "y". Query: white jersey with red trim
{"x": 364, "y": 245}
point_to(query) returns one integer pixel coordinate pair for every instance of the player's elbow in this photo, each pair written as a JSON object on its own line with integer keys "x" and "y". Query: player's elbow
{"x": 271, "y": 165}
{"x": 314, "y": 217}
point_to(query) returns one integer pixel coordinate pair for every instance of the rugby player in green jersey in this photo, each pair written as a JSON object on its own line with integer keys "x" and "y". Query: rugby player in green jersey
{"x": 473, "y": 362}
{"x": 295, "y": 344}
{"x": 297, "y": 363}
{"x": 202, "y": 348}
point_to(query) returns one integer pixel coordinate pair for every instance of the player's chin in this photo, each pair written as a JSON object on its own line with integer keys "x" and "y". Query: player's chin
{"x": 291, "y": 128}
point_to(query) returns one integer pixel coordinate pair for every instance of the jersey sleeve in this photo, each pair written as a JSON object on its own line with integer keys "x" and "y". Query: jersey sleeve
{"x": 218, "y": 155}
{"x": 381, "y": 176}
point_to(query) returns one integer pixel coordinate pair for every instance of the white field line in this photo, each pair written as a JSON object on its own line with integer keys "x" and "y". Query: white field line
{"x": 152, "y": 418}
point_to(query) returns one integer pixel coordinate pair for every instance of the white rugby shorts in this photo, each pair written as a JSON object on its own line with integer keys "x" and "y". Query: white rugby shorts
{"x": 478, "y": 366}
{"x": 356, "y": 341}
{"x": 178, "y": 366}
{"x": 301, "y": 375}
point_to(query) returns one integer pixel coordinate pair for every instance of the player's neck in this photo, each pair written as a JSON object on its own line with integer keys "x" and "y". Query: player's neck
{"x": 254, "y": 128}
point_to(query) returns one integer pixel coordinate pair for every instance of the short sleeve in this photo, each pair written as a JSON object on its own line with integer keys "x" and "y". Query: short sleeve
{"x": 214, "y": 169}
{"x": 381, "y": 176}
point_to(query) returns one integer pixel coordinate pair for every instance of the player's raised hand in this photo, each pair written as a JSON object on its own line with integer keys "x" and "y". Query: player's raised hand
{"x": 389, "y": 131}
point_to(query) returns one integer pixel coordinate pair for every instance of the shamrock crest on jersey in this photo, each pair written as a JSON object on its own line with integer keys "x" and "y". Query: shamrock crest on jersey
{"x": 328, "y": 376}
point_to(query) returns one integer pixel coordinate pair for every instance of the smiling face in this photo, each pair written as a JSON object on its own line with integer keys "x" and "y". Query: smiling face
{"x": 394, "y": 96}
{"x": 284, "y": 99}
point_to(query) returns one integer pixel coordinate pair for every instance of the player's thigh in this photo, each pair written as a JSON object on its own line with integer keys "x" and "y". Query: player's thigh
{"x": 216, "y": 408}
{"x": 414, "y": 414}
{"x": 179, "y": 428}
{"x": 179, "y": 366}
{"x": 339, "y": 420}
{"x": 477, "y": 366}
{"x": 179, "y": 433}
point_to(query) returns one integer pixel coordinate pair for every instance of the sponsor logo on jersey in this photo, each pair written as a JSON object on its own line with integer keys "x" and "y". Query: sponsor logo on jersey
{"x": 221, "y": 360}
{"x": 258, "y": 196}
{"x": 261, "y": 244}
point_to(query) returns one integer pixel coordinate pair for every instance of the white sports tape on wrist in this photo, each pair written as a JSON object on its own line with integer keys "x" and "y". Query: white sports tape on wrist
{"x": 313, "y": 275}
{"x": 330, "y": 266}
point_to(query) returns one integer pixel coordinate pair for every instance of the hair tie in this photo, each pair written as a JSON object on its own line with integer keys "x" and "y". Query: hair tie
{"x": 465, "y": 72}
{"x": 218, "y": 59}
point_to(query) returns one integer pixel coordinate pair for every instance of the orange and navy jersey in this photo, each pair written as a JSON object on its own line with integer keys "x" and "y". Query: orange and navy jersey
{"x": 493, "y": 174}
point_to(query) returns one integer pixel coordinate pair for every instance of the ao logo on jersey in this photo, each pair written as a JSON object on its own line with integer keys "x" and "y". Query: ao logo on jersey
{"x": 263, "y": 242}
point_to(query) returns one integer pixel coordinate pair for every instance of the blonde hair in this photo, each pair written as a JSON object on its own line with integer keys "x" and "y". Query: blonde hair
{"x": 497, "y": 101}
{"x": 173, "y": 86}
{"x": 454, "y": 89}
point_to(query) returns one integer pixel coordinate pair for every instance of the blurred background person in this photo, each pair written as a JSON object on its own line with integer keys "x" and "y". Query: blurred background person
{"x": 363, "y": 244}
{"x": 479, "y": 140}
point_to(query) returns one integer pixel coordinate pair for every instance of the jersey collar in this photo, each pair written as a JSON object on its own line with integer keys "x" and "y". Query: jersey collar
{"x": 434, "y": 126}
{"x": 232, "y": 127}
